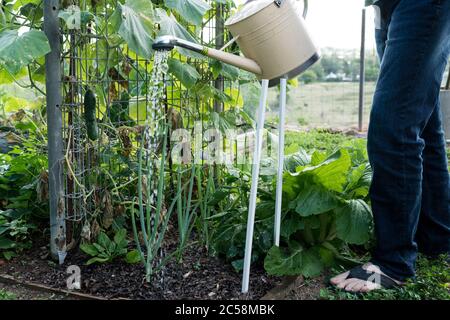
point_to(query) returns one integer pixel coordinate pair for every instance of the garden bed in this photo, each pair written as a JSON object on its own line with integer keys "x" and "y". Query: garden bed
{"x": 198, "y": 276}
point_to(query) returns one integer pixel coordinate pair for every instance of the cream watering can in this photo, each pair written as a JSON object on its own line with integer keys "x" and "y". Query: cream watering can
{"x": 276, "y": 45}
{"x": 272, "y": 35}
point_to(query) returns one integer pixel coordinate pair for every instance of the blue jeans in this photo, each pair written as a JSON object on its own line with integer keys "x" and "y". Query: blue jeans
{"x": 406, "y": 144}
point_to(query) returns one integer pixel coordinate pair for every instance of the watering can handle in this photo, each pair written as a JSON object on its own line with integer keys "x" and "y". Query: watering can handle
{"x": 279, "y": 3}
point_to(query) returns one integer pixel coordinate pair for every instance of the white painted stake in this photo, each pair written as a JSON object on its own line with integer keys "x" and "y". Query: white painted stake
{"x": 279, "y": 192}
{"x": 254, "y": 188}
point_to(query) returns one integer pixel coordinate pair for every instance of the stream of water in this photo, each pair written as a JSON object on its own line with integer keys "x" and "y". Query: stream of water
{"x": 153, "y": 136}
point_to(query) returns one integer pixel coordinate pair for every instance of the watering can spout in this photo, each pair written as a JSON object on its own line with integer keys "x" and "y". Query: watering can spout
{"x": 170, "y": 42}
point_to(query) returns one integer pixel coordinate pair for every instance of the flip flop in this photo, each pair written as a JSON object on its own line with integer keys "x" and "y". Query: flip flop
{"x": 374, "y": 277}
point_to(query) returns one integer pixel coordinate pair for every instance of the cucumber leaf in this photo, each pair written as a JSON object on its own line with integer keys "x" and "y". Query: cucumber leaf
{"x": 133, "y": 22}
{"x": 191, "y": 10}
{"x": 186, "y": 73}
{"x": 169, "y": 26}
{"x": 20, "y": 49}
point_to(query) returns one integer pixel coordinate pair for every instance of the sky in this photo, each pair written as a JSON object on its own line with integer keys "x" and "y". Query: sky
{"x": 337, "y": 23}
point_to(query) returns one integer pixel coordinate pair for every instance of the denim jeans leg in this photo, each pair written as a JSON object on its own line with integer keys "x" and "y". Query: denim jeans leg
{"x": 404, "y": 103}
{"x": 433, "y": 231}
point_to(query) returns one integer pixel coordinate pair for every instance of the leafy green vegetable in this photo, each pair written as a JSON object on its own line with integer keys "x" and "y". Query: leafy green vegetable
{"x": 353, "y": 222}
{"x": 106, "y": 250}
{"x": 285, "y": 261}
{"x": 314, "y": 200}
{"x": 326, "y": 210}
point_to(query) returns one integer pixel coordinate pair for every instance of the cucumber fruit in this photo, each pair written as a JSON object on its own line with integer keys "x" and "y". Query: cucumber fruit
{"x": 90, "y": 104}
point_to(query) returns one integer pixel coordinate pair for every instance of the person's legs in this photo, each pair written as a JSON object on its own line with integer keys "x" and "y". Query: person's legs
{"x": 412, "y": 66}
{"x": 405, "y": 100}
{"x": 433, "y": 232}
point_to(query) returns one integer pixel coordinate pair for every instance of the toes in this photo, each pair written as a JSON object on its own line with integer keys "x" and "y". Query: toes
{"x": 357, "y": 286}
{"x": 351, "y": 284}
{"x": 343, "y": 284}
{"x": 339, "y": 278}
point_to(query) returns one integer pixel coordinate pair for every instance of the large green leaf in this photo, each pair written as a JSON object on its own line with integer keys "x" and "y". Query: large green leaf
{"x": 284, "y": 261}
{"x": 89, "y": 249}
{"x": 313, "y": 200}
{"x": 353, "y": 222}
{"x": 331, "y": 173}
{"x": 2, "y": 18}
{"x": 103, "y": 240}
{"x": 18, "y": 50}
{"x": 120, "y": 236}
{"x": 318, "y": 157}
{"x": 359, "y": 181}
{"x": 293, "y": 161}
{"x": 312, "y": 262}
{"x": 170, "y": 26}
{"x": 97, "y": 259}
{"x": 191, "y": 10}
{"x": 6, "y": 243}
{"x": 228, "y": 71}
{"x": 184, "y": 72}
{"x": 291, "y": 225}
{"x": 133, "y": 21}
{"x": 294, "y": 260}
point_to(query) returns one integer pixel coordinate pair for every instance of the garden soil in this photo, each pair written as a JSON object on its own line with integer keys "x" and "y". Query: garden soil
{"x": 198, "y": 276}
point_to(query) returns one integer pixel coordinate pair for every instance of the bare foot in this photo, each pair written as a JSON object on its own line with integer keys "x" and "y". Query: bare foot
{"x": 357, "y": 285}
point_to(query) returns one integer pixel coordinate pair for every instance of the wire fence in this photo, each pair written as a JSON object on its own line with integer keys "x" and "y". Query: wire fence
{"x": 328, "y": 104}
{"x": 100, "y": 175}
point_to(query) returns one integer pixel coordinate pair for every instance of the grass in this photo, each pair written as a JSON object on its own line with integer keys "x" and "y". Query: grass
{"x": 432, "y": 283}
{"x": 6, "y": 295}
{"x": 316, "y": 139}
{"x": 324, "y": 104}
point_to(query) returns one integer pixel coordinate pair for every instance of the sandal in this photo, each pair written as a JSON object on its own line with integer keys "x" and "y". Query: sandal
{"x": 374, "y": 277}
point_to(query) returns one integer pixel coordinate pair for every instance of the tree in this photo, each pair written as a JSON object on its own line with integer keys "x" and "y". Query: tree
{"x": 308, "y": 76}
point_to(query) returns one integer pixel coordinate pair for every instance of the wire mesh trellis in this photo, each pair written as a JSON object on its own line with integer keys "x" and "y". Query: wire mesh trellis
{"x": 99, "y": 176}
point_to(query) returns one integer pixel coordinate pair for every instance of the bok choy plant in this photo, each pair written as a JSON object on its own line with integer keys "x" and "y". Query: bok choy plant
{"x": 325, "y": 210}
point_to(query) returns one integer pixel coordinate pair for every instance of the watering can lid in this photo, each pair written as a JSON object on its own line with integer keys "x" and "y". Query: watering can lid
{"x": 250, "y": 8}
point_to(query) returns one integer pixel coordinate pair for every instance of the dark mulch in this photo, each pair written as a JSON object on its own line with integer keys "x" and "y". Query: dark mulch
{"x": 309, "y": 289}
{"x": 198, "y": 276}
